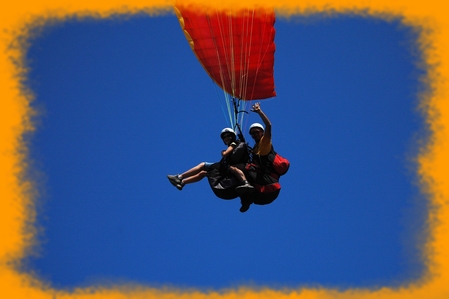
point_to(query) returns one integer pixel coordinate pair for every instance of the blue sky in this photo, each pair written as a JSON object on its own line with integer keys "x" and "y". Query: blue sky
{"x": 124, "y": 102}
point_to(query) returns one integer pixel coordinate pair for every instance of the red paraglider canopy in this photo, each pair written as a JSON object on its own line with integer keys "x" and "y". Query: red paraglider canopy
{"x": 235, "y": 48}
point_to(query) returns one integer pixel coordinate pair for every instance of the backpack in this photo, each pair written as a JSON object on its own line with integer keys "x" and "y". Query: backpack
{"x": 274, "y": 163}
{"x": 279, "y": 164}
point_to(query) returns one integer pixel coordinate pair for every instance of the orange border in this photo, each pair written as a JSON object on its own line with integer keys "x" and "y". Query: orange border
{"x": 16, "y": 195}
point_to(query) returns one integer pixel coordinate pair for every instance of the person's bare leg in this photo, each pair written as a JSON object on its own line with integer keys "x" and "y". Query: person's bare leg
{"x": 238, "y": 173}
{"x": 192, "y": 171}
{"x": 192, "y": 175}
{"x": 245, "y": 187}
{"x": 194, "y": 178}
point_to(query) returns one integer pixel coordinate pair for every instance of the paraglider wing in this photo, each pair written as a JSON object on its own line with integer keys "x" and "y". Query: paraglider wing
{"x": 235, "y": 48}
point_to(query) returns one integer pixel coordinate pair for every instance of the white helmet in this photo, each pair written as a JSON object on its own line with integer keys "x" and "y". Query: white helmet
{"x": 227, "y": 130}
{"x": 256, "y": 125}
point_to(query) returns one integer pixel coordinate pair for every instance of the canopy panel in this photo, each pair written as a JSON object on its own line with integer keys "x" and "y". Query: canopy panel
{"x": 235, "y": 48}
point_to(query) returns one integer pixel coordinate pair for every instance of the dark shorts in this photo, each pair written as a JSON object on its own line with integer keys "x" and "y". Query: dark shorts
{"x": 207, "y": 165}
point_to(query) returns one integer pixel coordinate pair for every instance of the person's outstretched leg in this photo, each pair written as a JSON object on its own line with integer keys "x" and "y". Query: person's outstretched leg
{"x": 192, "y": 175}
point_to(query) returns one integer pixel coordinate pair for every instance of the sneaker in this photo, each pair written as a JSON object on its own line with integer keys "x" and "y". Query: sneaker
{"x": 175, "y": 181}
{"x": 244, "y": 189}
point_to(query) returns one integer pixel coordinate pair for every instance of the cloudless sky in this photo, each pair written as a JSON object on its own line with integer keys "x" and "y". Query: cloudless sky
{"x": 124, "y": 102}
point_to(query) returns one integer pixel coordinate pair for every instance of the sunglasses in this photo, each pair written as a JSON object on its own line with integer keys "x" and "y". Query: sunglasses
{"x": 227, "y": 136}
{"x": 255, "y": 132}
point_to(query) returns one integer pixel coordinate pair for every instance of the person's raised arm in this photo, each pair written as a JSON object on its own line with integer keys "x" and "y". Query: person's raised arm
{"x": 256, "y": 108}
